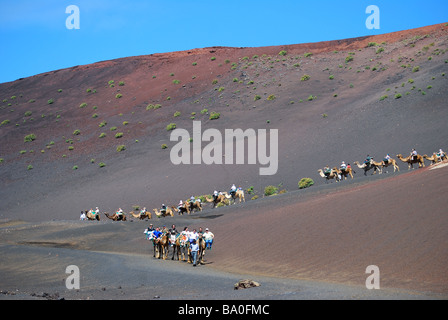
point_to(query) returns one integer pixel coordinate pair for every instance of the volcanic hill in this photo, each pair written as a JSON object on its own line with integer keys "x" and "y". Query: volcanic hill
{"x": 95, "y": 135}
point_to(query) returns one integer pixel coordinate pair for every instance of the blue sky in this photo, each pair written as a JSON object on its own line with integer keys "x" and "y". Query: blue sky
{"x": 35, "y": 39}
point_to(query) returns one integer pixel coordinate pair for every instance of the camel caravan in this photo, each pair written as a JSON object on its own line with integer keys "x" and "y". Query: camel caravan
{"x": 345, "y": 170}
{"x": 194, "y": 204}
{"x": 186, "y": 246}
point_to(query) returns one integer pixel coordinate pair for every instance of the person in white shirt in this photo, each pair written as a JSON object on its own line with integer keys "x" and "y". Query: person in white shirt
{"x": 208, "y": 236}
{"x": 83, "y": 216}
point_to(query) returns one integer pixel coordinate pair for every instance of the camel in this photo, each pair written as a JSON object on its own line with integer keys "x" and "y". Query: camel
{"x": 116, "y": 217}
{"x": 162, "y": 245}
{"x": 195, "y": 205}
{"x": 181, "y": 210}
{"x": 366, "y": 167}
{"x": 238, "y": 194}
{"x": 347, "y": 172}
{"x": 169, "y": 212}
{"x": 220, "y": 198}
{"x": 333, "y": 175}
{"x": 181, "y": 246}
{"x": 434, "y": 159}
{"x": 141, "y": 216}
{"x": 410, "y": 161}
{"x": 390, "y": 162}
{"x": 92, "y": 216}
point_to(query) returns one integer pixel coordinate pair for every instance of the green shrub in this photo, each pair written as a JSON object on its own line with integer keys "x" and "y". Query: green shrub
{"x": 383, "y": 97}
{"x": 101, "y": 164}
{"x": 176, "y": 114}
{"x": 213, "y": 58}
{"x": 170, "y": 127}
{"x": 51, "y": 101}
{"x": 121, "y": 83}
{"x": 76, "y": 132}
{"x": 257, "y": 97}
{"x": 113, "y": 128}
{"x": 75, "y": 168}
{"x": 271, "y": 97}
{"x": 348, "y": 59}
{"x": 283, "y": 53}
{"x": 214, "y": 115}
{"x": 28, "y": 114}
{"x": 398, "y": 96}
{"x": 372, "y": 44}
{"x": 102, "y": 135}
{"x": 379, "y": 50}
{"x": 83, "y": 105}
{"x": 30, "y": 167}
{"x": 176, "y": 81}
{"x": 305, "y": 183}
{"x": 307, "y": 54}
{"x": 416, "y": 69}
{"x": 4, "y": 122}
{"x": 270, "y": 190}
{"x": 119, "y": 135}
{"x": 204, "y": 111}
{"x": 331, "y": 77}
{"x": 305, "y": 77}
{"x": 102, "y": 124}
{"x": 30, "y": 137}
{"x": 118, "y": 95}
{"x": 121, "y": 148}
{"x": 164, "y": 146}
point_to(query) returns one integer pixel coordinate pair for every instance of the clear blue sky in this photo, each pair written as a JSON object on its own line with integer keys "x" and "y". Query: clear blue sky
{"x": 34, "y": 37}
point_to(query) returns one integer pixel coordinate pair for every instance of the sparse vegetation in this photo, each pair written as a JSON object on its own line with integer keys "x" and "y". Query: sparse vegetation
{"x": 214, "y": 115}
{"x": 305, "y": 77}
{"x": 283, "y": 53}
{"x": 383, "y": 97}
{"x": 305, "y": 183}
{"x": 307, "y": 54}
{"x": 257, "y": 97}
{"x": 164, "y": 146}
{"x": 175, "y": 81}
{"x": 416, "y": 69}
{"x": 121, "y": 148}
{"x": 271, "y": 97}
{"x": 270, "y": 190}
{"x": 119, "y": 135}
{"x": 30, "y": 137}
{"x": 101, "y": 164}
{"x": 204, "y": 111}
{"x": 118, "y": 95}
{"x": 176, "y": 114}
{"x": 398, "y": 96}
{"x": 76, "y": 132}
{"x": 170, "y": 127}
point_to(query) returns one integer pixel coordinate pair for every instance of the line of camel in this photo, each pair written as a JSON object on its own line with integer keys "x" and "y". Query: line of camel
{"x": 338, "y": 174}
{"x": 187, "y": 207}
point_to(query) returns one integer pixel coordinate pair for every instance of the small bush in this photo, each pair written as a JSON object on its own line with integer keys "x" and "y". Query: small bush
{"x": 214, "y": 115}
{"x": 102, "y": 135}
{"x": 83, "y": 105}
{"x": 75, "y": 168}
{"x": 416, "y": 69}
{"x": 119, "y": 135}
{"x": 121, "y": 148}
{"x": 176, "y": 81}
{"x": 305, "y": 183}
{"x": 331, "y": 77}
{"x": 164, "y": 146}
{"x": 271, "y": 97}
{"x": 307, "y": 54}
{"x": 51, "y": 101}
{"x": 176, "y": 114}
{"x": 30, "y": 167}
{"x": 101, "y": 164}
{"x": 121, "y": 83}
{"x": 348, "y": 59}
{"x": 204, "y": 111}
{"x": 4, "y": 122}
{"x": 398, "y": 96}
{"x": 28, "y": 114}
{"x": 30, "y": 137}
{"x": 170, "y": 127}
{"x": 270, "y": 190}
{"x": 383, "y": 97}
{"x": 283, "y": 53}
{"x": 257, "y": 97}
{"x": 118, "y": 95}
{"x": 76, "y": 132}
{"x": 305, "y": 77}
